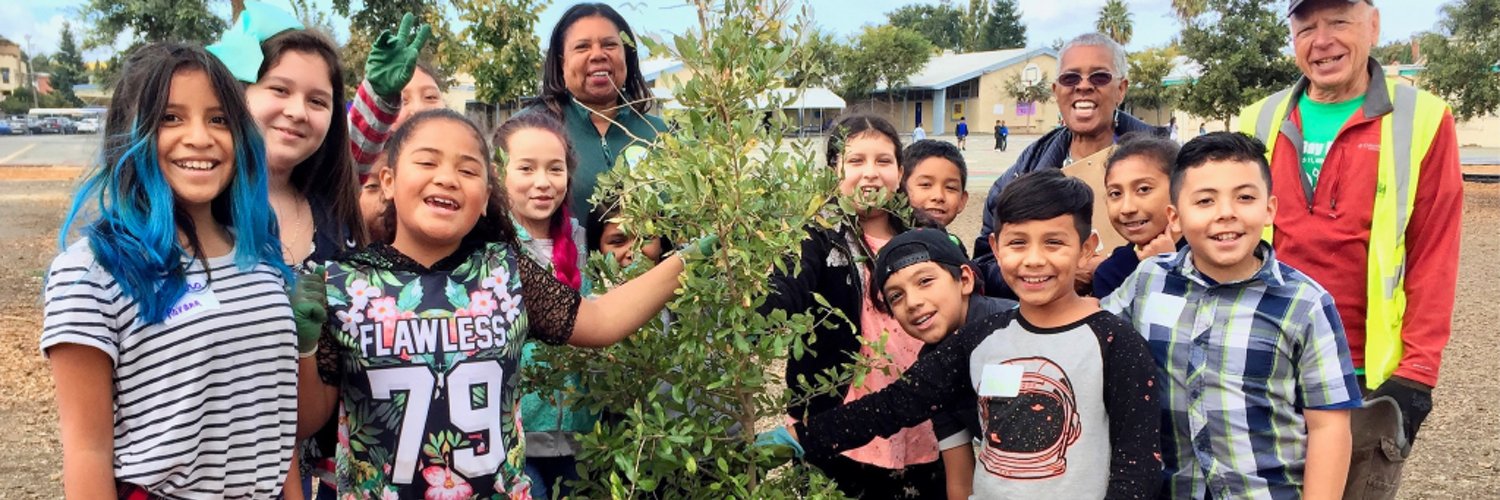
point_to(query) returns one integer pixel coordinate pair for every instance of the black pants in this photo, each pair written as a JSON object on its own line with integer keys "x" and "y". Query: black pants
{"x": 865, "y": 481}
{"x": 1000, "y": 141}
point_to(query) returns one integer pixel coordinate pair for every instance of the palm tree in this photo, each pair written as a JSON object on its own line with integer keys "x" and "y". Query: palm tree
{"x": 1114, "y": 21}
{"x": 1187, "y": 10}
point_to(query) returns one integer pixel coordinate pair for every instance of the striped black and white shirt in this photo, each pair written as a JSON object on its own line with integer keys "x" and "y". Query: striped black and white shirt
{"x": 205, "y": 401}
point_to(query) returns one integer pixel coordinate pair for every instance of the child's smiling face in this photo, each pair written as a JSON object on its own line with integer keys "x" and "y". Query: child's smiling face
{"x": 1137, "y": 193}
{"x": 617, "y": 243}
{"x": 536, "y": 177}
{"x": 440, "y": 185}
{"x": 868, "y": 166}
{"x": 937, "y": 188}
{"x": 1222, "y": 207}
{"x": 1038, "y": 258}
{"x": 293, "y": 105}
{"x": 927, "y": 300}
{"x": 194, "y": 145}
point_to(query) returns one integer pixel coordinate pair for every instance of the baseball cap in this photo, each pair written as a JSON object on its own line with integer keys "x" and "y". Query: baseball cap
{"x": 1292, "y": 7}
{"x": 915, "y": 247}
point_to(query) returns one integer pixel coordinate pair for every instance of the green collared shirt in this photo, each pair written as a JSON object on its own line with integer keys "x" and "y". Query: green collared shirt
{"x": 597, "y": 154}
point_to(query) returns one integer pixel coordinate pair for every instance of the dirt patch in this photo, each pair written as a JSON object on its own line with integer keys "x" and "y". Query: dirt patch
{"x": 39, "y": 173}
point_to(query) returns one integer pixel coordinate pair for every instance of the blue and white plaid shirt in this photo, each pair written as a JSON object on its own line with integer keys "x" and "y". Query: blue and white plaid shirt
{"x": 1240, "y": 361}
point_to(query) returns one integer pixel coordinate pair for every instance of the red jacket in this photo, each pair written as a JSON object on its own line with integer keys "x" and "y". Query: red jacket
{"x": 1328, "y": 240}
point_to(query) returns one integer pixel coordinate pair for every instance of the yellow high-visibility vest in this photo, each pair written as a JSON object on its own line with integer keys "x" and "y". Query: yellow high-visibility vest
{"x": 1406, "y": 135}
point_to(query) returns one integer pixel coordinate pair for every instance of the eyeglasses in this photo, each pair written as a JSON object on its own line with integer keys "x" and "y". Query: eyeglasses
{"x": 1097, "y": 78}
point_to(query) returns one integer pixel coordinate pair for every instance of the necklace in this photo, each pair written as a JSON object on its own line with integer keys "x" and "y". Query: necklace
{"x": 297, "y": 228}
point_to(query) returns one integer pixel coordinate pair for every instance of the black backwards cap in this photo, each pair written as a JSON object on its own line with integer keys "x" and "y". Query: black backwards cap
{"x": 915, "y": 247}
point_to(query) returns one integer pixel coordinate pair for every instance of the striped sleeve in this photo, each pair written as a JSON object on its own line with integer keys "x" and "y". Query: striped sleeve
{"x": 370, "y": 119}
{"x": 1326, "y": 379}
{"x": 80, "y": 304}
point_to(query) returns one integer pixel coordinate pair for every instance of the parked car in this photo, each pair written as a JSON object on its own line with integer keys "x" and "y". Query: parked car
{"x": 53, "y": 125}
{"x": 17, "y": 125}
{"x": 88, "y": 126}
{"x": 5, "y": 127}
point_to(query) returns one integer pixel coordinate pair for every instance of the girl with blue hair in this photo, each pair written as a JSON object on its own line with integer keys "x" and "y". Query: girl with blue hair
{"x": 167, "y": 323}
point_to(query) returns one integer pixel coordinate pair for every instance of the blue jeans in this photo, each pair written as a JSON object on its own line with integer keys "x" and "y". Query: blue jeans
{"x": 549, "y": 476}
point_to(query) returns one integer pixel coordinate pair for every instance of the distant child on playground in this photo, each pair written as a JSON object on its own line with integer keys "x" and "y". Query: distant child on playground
{"x": 1256, "y": 370}
{"x": 962, "y": 133}
{"x": 168, "y": 324}
{"x": 1136, "y": 180}
{"x": 1065, "y": 393}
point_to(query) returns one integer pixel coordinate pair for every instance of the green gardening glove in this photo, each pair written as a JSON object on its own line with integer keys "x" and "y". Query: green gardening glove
{"x": 393, "y": 58}
{"x": 309, "y": 310}
{"x": 704, "y": 246}
{"x": 781, "y": 444}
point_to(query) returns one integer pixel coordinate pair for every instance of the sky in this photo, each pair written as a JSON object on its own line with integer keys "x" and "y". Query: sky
{"x": 1046, "y": 20}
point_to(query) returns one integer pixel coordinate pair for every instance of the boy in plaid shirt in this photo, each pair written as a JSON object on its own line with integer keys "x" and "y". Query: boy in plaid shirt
{"x": 1258, "y": 384}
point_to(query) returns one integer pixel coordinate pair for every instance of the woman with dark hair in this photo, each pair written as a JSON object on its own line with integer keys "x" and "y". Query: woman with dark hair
{"x": 592, "y": 81}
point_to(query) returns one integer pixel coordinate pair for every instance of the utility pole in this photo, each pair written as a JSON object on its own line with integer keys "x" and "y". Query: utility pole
{"x": 31, "y": 74}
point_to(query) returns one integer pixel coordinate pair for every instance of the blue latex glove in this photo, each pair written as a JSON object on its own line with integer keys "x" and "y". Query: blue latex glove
{"x": 781, "y": 443}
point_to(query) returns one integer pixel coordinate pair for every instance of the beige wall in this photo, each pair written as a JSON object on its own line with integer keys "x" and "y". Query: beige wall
{"x": 12, "y": 63}
{"x": 981, "y": 111}
{"x": 901, "y": 114}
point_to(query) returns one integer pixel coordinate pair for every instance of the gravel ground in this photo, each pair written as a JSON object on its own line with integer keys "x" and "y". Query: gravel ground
{"x": 1456, "y": 454}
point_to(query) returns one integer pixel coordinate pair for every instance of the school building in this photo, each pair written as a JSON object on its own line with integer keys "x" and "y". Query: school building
{"x": 970, "y": 86}
{"x": 12, "y": 68}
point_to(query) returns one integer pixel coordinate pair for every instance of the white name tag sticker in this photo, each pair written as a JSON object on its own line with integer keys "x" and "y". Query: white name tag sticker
{"x": 1001, "y": 380}
{"x": 1163, "y": 309}
{"x": 198, "y": 300}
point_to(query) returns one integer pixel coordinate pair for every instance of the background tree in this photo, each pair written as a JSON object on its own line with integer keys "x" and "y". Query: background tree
{"x": 1462, "y": 60}
{"x": 307, "y": 12}
{"x": 882, "y": 56}
{"x": 1114, "y": 21}
{"x": 939, "y": 23}
{"x": 498, "y": 47}
{"x": 1148, "y": 73}
{"x": 1187, "y": 10}
{"x": 68, "y": 69}
{"x": 1003, "y": 28}
{"x": 149, "y": 21}
{"x": 1240, "y": 46}
{"x": 817, "y": 60}
{"x": 1397, "y": 52}
{"x": 721, "y": 172}
{"x": 1034, "y": 93}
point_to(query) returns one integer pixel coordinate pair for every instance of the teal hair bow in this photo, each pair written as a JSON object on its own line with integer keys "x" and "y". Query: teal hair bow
{"x": 239, "y": 47}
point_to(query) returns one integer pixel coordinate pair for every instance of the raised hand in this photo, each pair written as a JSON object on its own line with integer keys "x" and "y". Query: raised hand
{"x": 393, "y": 58}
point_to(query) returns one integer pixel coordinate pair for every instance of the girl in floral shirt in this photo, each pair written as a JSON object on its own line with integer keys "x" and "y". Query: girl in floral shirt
{"x": 421, "y": 346}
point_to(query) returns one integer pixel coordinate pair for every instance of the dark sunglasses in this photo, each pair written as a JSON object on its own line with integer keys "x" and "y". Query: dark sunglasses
{"x": 1097, "y": 78}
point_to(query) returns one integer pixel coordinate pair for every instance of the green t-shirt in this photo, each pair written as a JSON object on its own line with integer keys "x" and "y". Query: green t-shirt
{"x": 1321, "y": 123}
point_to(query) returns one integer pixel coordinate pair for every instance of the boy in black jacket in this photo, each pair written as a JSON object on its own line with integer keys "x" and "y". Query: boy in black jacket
{"x": 925, "y": 281}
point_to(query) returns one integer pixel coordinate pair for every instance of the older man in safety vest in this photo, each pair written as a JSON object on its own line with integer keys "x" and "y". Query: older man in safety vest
{"x": 1371, "y": 195}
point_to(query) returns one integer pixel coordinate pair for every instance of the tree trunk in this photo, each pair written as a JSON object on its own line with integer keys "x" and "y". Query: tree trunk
{"x": 235, "y": 8}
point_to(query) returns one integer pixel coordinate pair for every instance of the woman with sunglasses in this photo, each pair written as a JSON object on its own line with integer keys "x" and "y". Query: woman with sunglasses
{"x": 1089, "y": 88}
